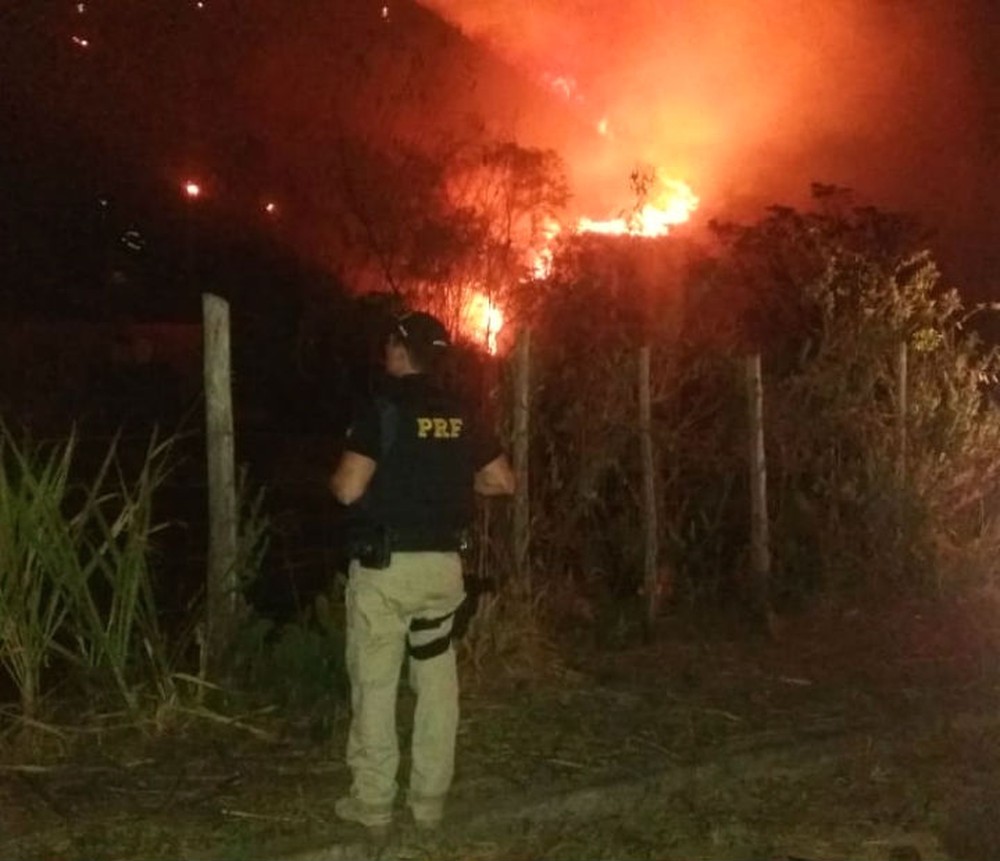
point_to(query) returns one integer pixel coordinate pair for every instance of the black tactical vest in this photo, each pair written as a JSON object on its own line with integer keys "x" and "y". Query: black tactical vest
{"x": 422, "y": 489}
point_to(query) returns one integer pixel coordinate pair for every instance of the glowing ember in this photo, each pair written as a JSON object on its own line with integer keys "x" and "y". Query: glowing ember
{"x": 81, "y": 42}
{"x": 481, "y": 320}
{"x": 270, "y": 207}
{"x": 602, "y": 127}
{"x": 192, "y": 189}
{"x": 672, "y": 203}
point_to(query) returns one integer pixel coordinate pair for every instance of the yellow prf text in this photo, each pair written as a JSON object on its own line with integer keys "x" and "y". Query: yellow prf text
{"x": 439, "y": 427}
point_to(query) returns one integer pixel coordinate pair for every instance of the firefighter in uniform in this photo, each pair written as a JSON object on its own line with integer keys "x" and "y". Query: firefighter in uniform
{"x": 413, "y": 460}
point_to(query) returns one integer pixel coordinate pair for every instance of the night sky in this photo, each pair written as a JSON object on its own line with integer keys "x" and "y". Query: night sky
{"x": 116, "y": 104}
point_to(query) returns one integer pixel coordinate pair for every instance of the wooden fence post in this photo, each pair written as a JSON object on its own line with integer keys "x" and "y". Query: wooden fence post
{"x": 650, "y": 529}
{"x": 901, "y": 411}
{"x": 760, "y": 552}
{"x": 222, "y": 585}
{"x": 902, "y": 408}
{"x": 521, "y": 448}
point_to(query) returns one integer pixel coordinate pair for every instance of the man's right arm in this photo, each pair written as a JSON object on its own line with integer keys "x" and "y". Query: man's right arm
{"x": 362, "y": 452}
{"x": 351, "y": 477}
{"x": 496, "y": 478}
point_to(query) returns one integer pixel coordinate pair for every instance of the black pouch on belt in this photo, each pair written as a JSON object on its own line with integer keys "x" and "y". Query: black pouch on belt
{"x": 373, "y": 549}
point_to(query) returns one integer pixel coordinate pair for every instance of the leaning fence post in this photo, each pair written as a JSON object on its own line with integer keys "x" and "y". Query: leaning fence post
{"x": 760, "y": 552}
{"x": 222, "y": 587}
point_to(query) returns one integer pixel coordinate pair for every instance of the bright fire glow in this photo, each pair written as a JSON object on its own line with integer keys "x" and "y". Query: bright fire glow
{"x": 541, "y": 264}
{"x": 270, "y": 207}
{"x": 482, "y": 320}
{"x": 671, "y": 204}
{"x": 81, "y": 42}
{"x": 541, "y": 258}
{"x": 192, "y": 189}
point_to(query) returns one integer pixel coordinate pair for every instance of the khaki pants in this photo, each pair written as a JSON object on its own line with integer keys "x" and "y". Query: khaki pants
{"x": 393, "y": 612}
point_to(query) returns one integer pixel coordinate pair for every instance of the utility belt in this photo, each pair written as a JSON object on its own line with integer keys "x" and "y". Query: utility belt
{"x": 375, "y": 547}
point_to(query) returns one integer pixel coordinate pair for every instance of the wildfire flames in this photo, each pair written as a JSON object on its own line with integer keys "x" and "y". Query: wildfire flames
{"x": 481, "y": 320}
{"x": 672, "y": 203}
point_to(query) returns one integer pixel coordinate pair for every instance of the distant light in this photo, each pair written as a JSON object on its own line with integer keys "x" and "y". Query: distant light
{"x": 81, "y": 42}
{"x": 81, "y": 7}
{"x": 270, "y": 207}
{"x": 385, "y": 13}
{"x": 200, "y": 4}
{"x": 192, "y": 189}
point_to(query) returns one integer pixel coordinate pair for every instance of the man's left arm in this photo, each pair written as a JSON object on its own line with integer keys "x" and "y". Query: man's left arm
{"x": 493, "y": 475}
{"x": 495, "y": 478}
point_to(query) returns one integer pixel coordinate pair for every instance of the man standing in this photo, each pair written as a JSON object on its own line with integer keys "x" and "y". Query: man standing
{"x": 414, "y": 458}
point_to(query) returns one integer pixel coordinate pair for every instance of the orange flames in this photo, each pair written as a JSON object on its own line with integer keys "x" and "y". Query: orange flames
{"x": 481, "y": 320}
{"x": 672, "y": 204}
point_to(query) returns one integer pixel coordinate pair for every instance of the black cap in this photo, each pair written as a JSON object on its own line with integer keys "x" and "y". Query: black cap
{"x": 419, "y": 327}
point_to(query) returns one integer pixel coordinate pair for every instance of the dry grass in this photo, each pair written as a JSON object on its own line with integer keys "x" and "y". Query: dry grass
{"x": 867, "y": 732}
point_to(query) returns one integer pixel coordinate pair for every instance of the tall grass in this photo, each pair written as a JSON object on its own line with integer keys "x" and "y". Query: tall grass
{"x": 75, "y": 581}
{"x": 34, "y": 543}
{"x": 113, "y": 614}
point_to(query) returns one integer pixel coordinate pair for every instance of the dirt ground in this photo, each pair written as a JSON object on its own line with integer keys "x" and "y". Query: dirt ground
{"x": 857, "y": 733}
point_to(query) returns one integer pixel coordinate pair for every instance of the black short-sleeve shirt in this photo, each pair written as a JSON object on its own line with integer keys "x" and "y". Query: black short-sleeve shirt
{"x": 427, "y": 446}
